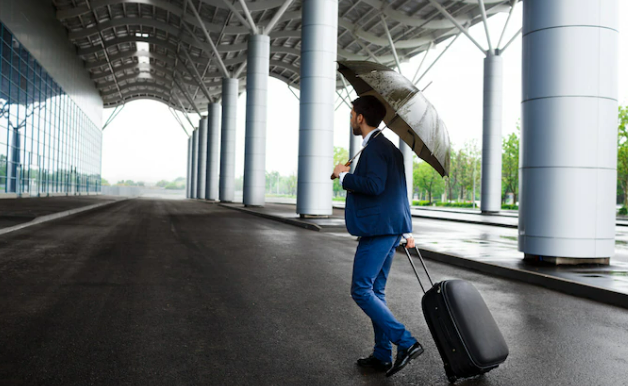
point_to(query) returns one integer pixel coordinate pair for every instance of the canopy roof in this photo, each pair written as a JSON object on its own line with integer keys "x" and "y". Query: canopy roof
{"x": 107, "y": 32}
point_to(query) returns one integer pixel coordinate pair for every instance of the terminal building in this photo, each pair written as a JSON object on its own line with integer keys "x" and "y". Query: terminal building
{"x": 63, "y": 61}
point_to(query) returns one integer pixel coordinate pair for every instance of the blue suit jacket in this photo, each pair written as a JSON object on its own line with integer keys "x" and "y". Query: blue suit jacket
{"x": 377, "y": 198}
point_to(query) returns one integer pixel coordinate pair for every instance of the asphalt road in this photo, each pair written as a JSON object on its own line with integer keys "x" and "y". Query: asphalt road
{"x": 163, "y": 292}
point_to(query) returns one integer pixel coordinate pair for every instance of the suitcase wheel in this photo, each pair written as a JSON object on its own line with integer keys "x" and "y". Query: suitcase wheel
{"x": 450, "y": 376}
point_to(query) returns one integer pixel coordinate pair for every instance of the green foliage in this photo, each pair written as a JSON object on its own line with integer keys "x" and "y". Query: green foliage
{"x": 175, "y": 186}
{"x": 510, "y": 164}
{"x": 104, "y": 182}
{"x": 623, "y": 211}
{"x": 510, "y": 207}
{"x": 341, "y": 156}
{"x": 622, "y": 152}
{"x": 278, "y": 185}
{"x": 421, "y": 203}
{"x": 426, "y": 179}
{"x": 162, "y": 184}
{"x": 456, "y": 204}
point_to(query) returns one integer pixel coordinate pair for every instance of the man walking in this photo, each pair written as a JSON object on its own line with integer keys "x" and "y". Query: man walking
{"x": 377, "y": 210}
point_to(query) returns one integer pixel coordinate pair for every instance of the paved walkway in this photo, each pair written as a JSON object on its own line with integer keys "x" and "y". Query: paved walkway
{"x": 487, "y": 244}
{"x": 14, "y": 211}
{"x": 164, "y": 292}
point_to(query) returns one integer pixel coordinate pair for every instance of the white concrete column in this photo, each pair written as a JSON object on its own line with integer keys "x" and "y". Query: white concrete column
{"x": 255, "y": 138}
{"x": 491, "y": 198}
{"x": 227, "y": 141}
{"x": 316, "y": 127}
{"x": 202, "y": 158}
{"x": 188, "y": 182}
{"x": 568, "y": 150}
{"x": 213, "y": 151}
{"x": 194, "y": 193}
{"x": 407, "y": 166}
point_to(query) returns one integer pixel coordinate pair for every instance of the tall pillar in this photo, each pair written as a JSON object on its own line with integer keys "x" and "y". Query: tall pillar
{"x": 255, "y": 139}
{"x": 491, "y": 198}
{"x": 319, "y": 30}
{"x": 227, "y": 141}
{"x": 14, "y": 167}
{"x": 408, "y": 167}
{"x": 188, "y": 183}
{"x": 202, "y": 158}
{"x": 355, "y": 144}
{"x": 194, "y": 164}
{"x": 569, "y": 131}
{"x": 213, "y": 151}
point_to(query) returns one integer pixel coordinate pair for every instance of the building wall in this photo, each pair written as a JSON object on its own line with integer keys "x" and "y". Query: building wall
{"x": 34, "y": 25}
{"x": 48, "y": 144}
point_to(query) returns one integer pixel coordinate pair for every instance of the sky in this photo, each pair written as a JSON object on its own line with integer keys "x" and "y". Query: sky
{"x": 145, "y": 143}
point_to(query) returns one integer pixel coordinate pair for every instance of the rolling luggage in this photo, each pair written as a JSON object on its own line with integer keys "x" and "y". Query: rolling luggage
{"x": 466, "y": 335}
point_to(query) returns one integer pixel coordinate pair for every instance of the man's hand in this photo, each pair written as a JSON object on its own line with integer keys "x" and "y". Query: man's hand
{"x": 410, "y": 243}
{"x": 340, "y": 168}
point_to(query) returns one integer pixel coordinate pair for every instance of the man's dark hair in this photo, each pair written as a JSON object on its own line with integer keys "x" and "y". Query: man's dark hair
{"x": 371, "y": 109}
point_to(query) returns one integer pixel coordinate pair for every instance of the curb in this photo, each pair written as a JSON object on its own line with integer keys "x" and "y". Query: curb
{"x": 568, "y": 287}
{"x": 301, "y": 224}
{"x": 54, "y": 216}
{"x": 493, "y": 224}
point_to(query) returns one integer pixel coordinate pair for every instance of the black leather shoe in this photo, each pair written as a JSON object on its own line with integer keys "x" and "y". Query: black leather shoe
{"x": 371, "y": 362}
{"x": 404, "y": 357}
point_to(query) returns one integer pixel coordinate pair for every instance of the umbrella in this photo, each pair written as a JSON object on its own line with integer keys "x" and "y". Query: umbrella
{"x": 408, "y": 113}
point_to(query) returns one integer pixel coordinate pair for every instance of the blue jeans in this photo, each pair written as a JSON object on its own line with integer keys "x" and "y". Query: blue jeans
{"x": 371, "y": 265}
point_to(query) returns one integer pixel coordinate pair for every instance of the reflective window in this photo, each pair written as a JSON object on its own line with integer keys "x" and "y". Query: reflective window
{"x": 47, "y": 144}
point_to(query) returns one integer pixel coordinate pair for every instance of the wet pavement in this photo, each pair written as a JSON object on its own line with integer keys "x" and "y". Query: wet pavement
{"x": 484, "y": 243}
{"x": 164, "y": 292}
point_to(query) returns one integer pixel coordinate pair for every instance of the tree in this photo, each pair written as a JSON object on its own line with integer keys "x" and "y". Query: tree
{"x": 622, "y": 152}
{"x": 341, "y": 156}
{"x": 162, "y": 183}
{"x": 451, "y": 182}
{"x": 473, "y": 167}
{"x": 462, "y": 172}
{"x": 292, "y": 184}
{"x": 428, "y": 179}
{"x": 104, "y": 182}
{"x": 510, "y": 165}
{"x": 272, "y": 182}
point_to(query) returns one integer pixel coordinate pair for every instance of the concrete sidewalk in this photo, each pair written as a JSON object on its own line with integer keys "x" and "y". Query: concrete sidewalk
{"x": 487, "y": 246}
{"x": 18, "y": 213}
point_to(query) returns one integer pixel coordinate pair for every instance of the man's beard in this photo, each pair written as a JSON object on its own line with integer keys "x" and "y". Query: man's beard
{"x": 356, "y": 130}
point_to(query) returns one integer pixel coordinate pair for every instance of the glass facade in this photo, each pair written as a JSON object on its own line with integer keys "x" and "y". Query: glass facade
{"x": 47, "y": 144}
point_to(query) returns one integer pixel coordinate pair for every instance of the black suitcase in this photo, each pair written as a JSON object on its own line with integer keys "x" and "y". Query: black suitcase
{"x": 466, "y": 335}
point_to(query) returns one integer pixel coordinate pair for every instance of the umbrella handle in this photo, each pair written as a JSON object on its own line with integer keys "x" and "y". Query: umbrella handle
{"x": 347, "y": 164}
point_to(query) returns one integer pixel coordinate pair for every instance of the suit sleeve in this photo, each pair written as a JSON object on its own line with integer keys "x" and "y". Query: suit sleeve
{"x": 374, "y": 180}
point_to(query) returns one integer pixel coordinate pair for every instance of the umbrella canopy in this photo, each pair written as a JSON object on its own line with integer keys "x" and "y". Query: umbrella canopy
{"x": 408, "y": 112}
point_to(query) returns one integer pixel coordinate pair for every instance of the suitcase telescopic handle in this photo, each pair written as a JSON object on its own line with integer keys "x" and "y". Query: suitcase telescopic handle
{"x": 414, "y": 267}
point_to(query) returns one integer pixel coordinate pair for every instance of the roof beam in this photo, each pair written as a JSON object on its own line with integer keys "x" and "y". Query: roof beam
{"x": 236, "y": 13}
{"x": 199, "y": 77}
{"x": 269, "y": 27}
{"x": 208, "y": 39}
{"x": 444, "y": 12}
{"x": 249, "y": 18}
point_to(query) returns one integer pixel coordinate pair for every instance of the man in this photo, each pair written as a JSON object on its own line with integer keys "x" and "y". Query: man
{"x": 378, "y": 211}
